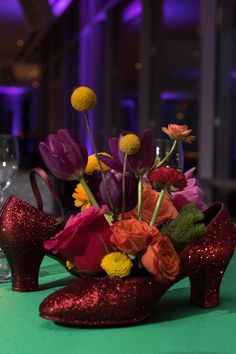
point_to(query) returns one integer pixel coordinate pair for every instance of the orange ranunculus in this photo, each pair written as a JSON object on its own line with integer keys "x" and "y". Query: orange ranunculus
{"x": 132, "y": 236}
{"x": 161, "y": 259}
{"x": 167, "y": 210}
{"x": 179, "y": 132}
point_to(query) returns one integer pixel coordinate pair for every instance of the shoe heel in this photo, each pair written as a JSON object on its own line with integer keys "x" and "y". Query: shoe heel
{"x": 24, "y": 267}
{"x": 205, "y": 287}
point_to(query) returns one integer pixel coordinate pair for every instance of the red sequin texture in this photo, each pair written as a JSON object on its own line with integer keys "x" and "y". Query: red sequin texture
{"x": 113, "y": 301}
{"x": 23, "y": 228}
{"x": 205, "y": 261}
{"x": 92, "y": 301}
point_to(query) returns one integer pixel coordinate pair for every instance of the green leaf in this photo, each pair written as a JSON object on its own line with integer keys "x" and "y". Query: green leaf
{"x": 187, "y": 227}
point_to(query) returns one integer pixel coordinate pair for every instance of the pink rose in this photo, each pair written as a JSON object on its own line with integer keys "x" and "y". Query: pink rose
{"x": 190, "y": 194}
{"x": 83, "y": 240}
{"x": 161, "y": 259}
{"x": 132, "y": 236}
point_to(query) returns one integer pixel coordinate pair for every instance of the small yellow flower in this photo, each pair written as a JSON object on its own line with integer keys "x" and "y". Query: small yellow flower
{"x": 130, "y": 144}
{"x": 81, "y": 198}
{"x": 116, "y": 264}
{"x": 83, "y": 99}
{"x": 69, "y": 265}
{"x": 92, "y": 164}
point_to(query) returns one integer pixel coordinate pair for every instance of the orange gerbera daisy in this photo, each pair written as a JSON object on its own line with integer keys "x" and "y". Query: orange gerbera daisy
{"x": 179, "y": 132}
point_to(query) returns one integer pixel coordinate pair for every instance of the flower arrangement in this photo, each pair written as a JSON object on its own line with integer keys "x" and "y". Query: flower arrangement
{"x": 136, "y": 215}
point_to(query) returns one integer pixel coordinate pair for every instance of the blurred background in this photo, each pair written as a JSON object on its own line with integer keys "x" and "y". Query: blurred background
{"x": 151, "y": 62}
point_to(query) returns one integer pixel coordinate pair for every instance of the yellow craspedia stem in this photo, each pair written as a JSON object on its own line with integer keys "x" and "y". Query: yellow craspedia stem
{"x": 93, "y": 165}
{"x": 130, "y": 144}
{"x": 83, "y": 99}
{"x": 116, "y": 264}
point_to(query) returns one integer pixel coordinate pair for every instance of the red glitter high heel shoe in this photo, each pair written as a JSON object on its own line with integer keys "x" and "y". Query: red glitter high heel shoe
{"x": 102, "y": 302}
{"x": 23, "y": 229}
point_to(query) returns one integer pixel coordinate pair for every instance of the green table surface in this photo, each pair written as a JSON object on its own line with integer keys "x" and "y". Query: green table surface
{"x": 175, "y": 328}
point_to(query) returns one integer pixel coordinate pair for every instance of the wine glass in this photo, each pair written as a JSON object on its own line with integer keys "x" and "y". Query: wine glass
{"x": 9, "y": 162}
{"x": 176, "y": 159}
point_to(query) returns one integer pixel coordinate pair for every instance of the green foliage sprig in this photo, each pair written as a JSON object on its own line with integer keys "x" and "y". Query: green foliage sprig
{"x": 186, "y": 227}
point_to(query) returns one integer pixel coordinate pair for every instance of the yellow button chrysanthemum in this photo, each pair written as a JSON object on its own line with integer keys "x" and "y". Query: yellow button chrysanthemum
{"x": 83, "y": 99}
{"x": 93, "y": 165}
{"x": 81, "y": 198}
{"x": 116, "y": 264}
{"x": 130, "y": 144}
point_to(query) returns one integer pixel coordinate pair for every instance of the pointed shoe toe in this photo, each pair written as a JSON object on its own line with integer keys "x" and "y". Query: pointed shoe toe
{"x": 23, "y": 230}
{"x": 101, "y": 302}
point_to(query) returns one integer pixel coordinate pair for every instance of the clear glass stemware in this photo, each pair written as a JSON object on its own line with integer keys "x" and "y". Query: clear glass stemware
{"x": 9, "y": 162}
{"x": 176, "y": 159}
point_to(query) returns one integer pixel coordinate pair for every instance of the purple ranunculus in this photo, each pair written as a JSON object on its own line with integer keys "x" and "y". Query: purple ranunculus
{"x": 139, "y": 163}
{"x": 190, "y": 194}
{"x": 64, "y": 155}
{"x": 114, "y": 184}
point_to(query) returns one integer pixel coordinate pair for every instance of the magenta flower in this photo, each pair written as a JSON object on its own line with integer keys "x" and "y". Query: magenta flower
{"x": 84, "y": 240}
{"x": 64, "y": 155}
{"x": 139, "y": 163}
{"x": 190, "y": 194}
{"x": 114, "y": 183}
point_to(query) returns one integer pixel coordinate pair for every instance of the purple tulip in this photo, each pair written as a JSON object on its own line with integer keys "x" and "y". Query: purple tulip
{"x": 190, "y": 194}
{"x": 64, "y": 155}
{"x": 93, "y": 180}
{"x": 114, "y": 183}
{"x": 139, "y": 163}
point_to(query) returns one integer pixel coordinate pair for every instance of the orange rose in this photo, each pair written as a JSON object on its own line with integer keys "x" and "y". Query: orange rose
{"x": 132, "y": 236}
{"x": 179, "y": 132}
{"x": 161, "y": 259}
{"x": 166, "y": 212}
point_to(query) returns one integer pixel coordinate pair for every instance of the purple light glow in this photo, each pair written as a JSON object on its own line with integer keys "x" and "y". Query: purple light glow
{"x": 11, "y": 10}
{"x": 13, "y": 90}
{"x": 15, "y": 105}
{"x": 13, "y": 96}
{"x": 180, "y": 13}
{"x": 59, "y": 6}
{"x": 132, "y": 11}
{"x": 171, "y": 96}
{"x": 233, "y": 74}
{"x": 128, "y": 103}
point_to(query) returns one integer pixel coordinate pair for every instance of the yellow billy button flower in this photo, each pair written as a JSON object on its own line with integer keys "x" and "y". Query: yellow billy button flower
{"x": 81, "y": 198}
{"x": 116, "y": 264}
{"x": 83, "y": 99}
{"x": 130, "y": 144}
{"x": 92, "y": 164}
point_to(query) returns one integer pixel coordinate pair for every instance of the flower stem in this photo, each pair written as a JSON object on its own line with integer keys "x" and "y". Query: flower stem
{"x": 157, "y": 207}
{"x": 88, "y": 192}
{"x": 140, "y": 197}
{"x": 167, "y": 155}
{"x": 108, "y": 217}
{"x": 123, "y": 187}
{"x": 99, "y": 162}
